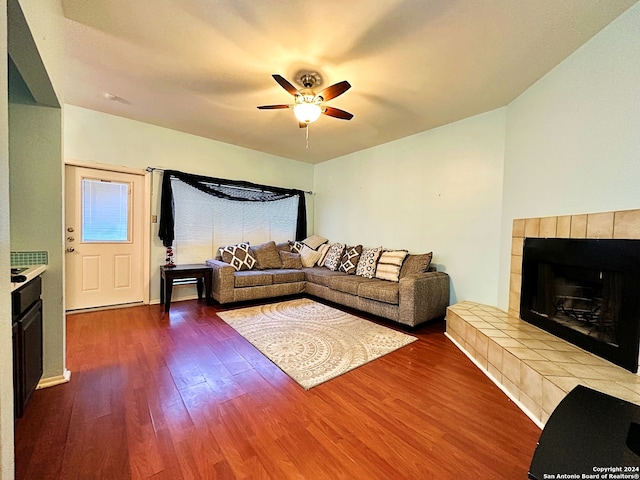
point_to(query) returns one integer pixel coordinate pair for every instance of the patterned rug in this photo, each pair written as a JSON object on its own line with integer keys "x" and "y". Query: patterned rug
{"x": 312, "y": 342}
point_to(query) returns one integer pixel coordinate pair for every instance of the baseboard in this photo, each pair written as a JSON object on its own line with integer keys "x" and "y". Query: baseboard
{"x": 524, "y": 409}
{"x": 53, "y": 381}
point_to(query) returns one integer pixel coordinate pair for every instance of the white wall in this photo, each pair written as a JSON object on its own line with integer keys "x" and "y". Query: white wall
{"x": 91, "y": 136}
{"x": 6, "y": 361}
{"x": 439, "y": 191}
{"x": 573, "y": 138}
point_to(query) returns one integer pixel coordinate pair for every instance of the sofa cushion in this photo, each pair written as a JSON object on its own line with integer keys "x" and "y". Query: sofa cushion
{"x": 416, "y": 264}
{"x": 238, "y": 256}
{"x": 334, "y": 255}
{"x": 314, "y": 241}
{"x": 252, "y": 278}
{"x": 287, "y": 276}
{"x": 266, "y": 256}
{"x": 380, "y": 290}
{"x": 350, "y": 258}
{"x": 309, "y": 256}
{"x": 324, "y": 249}
{"x": 320, "y": 275}
{"x": 290, "y": 260}
{"x": 368, "y": 261}
{"x": 295, "y": 246}
{"x": 389, "y": 265}
{"x": 346, "y": 283}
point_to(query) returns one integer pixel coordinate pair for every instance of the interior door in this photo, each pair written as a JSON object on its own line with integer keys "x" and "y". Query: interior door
{"x": 104, "y": 237}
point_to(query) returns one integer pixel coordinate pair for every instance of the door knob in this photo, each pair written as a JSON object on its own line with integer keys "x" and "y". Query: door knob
{"x": 70, "y": 249}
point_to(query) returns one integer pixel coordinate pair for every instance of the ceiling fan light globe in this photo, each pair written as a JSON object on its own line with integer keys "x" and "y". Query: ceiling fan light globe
{"x": 307, "y": 112}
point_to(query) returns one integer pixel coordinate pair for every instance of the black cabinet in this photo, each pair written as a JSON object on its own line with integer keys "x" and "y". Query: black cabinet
{"x": 27, "y": 342}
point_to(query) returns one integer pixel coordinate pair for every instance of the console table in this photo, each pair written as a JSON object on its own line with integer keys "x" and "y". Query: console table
{"x": 203, "y": 274}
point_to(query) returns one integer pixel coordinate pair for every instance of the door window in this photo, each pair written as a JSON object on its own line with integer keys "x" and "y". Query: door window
{"x": 105, "y": 211}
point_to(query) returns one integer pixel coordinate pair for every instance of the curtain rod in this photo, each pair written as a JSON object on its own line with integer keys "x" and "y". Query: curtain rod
{"x": 153, "y": 169}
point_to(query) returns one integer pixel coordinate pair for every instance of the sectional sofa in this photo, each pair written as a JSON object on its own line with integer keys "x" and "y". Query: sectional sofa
{"x": 418, "y": 294}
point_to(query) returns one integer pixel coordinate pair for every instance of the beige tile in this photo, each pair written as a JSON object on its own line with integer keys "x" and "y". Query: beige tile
{"x": 548, "y": 227}
{"x": 584, "y": 372}
{"x": 479, "y": 323}
{"x": 511, "y": 387}
{"x": 578, "y": 226}
{"x": 617, "y": 374}
{"x": 516, "y": 264}
{"x": 494, "y": 372}
{"x": 558, "y": 357}
{"x": 561, "y": 346}
{"x": 564, "y": 382}
{"x": 514, "y": 302}
{"x": 613, "y": 389}
{"x": 552, "y": 395}
{"x": 600, "y": 225}
{"x": 516, "y": 246}
{"x": 518, "y": 227}
{"x": 530, "y": 404}
{"x": 531, "y": 383}
{"x": 547, "y": 368}
{"x": 535, "y": 344}
{"x": 470, "y": 335}
{"x": 563, "y": 227}
{"x": 524, "y": 353}
{"x": 507, "y": 342}
{"x": 511, "y": 367}
{"x": 532, "y": 227}
{"x": 544, "y": 416}
{"x": 626, "y": 224}
{"x": 482, "y": 345}
{"x": 495, "y": 355}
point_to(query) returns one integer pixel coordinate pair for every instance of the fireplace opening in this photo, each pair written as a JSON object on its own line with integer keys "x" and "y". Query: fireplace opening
{"x": 586, "y": 292}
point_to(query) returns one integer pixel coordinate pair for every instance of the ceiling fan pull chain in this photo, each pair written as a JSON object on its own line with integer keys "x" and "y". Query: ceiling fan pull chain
{"x": 306, "y": 135}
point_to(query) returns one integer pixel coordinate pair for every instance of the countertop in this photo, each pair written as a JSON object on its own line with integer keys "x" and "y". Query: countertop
{"x": 32, "y": 272}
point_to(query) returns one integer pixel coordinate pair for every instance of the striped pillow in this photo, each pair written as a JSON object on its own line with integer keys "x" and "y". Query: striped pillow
{"x": 389, "y": 264}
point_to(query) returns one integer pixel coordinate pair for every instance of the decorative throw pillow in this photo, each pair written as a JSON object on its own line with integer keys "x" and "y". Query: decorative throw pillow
{"x": 334, "y": 255}
{"x": 350, "y": 259}
{"x": 308, "y": 256}
{"x": 323, "y": 253}
{"x": 416, "y": 264}
{"x": 238, "y": 256}
{"x": 389, "y": 265}
{"x": 290, "y": 260}
{"x": 266, "y": 256}
{"x": 296, "y": 246}
{"x": 314, "y": 241}
{"x": 368, "y": 262}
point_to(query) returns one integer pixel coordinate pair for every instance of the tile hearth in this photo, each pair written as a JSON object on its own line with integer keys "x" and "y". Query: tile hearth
{"x": 535, "y": 368}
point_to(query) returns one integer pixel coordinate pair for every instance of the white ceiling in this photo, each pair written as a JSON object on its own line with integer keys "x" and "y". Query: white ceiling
{"x": 203, "y": 66}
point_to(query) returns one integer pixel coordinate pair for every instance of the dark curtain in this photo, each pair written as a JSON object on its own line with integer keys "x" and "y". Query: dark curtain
{"x": 234, "y": 190}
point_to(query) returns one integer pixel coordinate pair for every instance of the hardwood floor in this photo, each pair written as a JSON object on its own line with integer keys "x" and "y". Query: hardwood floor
{"x": 183, "y": 396}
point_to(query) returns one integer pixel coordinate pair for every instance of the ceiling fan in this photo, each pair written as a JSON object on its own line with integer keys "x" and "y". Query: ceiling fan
{"x": 308, "y": 105}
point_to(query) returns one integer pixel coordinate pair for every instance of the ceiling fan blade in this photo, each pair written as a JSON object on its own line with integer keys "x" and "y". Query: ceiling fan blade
{"x": 334, "y": 90}
{"x": 337, "y": 113}
{"x": 284, "y": 83}
{"x": 272, "y": 107}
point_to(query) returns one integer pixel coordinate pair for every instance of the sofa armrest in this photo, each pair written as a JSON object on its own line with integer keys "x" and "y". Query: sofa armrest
{"x": 223, "y": 281}
{"x": 423, "y": 297}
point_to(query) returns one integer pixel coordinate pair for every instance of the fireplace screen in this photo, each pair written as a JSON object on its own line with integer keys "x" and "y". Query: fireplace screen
{"x": 581, "y": 299}
{"x": 586, "y": 292}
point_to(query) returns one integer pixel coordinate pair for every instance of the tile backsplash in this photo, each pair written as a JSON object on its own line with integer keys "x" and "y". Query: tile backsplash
{"x": 29, "y": 258}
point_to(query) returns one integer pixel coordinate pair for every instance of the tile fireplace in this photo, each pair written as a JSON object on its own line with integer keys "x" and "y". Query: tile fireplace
{"x": 585, "y": 291}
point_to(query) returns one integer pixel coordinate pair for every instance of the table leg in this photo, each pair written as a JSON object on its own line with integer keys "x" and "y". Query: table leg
{"x": 161, "y": 289}
{"x": 167, "y": 294}
{"x": 199, "y": 287}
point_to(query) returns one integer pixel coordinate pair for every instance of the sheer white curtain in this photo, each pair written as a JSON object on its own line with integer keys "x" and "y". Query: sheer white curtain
{"x": 204, "y": 222}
